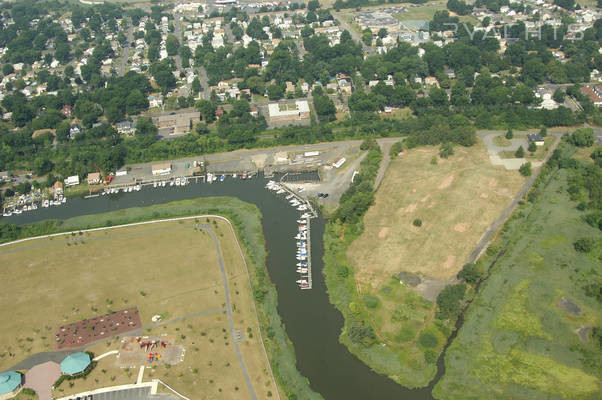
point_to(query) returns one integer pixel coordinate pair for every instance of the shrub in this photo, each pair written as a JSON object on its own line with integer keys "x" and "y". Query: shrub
{"x": 396, "y": 148}
{"x": 430, "y": 357}
{"x": 427, "y": 339}
{"x": 449, "y": 301}
{"x": 371, "y": 301}
{"x": 417, "y": 222}
{"x": 509, "y": 135}
{"x": 471, "y": 273}
{"x": 584, "y": 245}
{"x": 360, "y": 333}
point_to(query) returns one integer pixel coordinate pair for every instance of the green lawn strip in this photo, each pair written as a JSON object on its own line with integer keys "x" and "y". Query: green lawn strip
{"x": 246, "y": 219}
{"x": 516, "y": 341}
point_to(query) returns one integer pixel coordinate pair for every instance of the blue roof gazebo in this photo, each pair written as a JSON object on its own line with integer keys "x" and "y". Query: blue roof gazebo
{"x": 10, "y": 382}
{"x": 75, "y": 363}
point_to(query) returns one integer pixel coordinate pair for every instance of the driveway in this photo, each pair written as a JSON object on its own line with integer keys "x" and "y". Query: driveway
{"x": 494, "y": 150}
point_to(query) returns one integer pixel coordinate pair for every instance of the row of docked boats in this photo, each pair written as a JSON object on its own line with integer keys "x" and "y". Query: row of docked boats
{"x": 302, "y": 254}
{"x": 183, "y": 181}
{"x": 125, "y": 189}
{"x": 291, "y": 198}
{"x": 57, "y": 201}
{"x": 215, "y": 177}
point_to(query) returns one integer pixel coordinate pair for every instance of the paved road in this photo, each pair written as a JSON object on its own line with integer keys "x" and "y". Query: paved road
{"x": 484, "y": 241}
{"x": 178, "y": 34}
{"x": 126, "y": 50}
{"x": 208, "y": 229}
{"x": 368, "y": 51}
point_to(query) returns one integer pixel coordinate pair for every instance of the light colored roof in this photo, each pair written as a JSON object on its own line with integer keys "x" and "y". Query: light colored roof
{"x": 75, "y": 363}
{"x": 161, "y": 166}
{"x": 9, "y": 381}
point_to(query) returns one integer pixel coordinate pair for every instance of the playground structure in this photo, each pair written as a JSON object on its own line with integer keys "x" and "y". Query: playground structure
{"x": 154, "y": 350}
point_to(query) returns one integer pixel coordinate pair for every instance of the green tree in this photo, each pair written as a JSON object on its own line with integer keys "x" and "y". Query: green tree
{"x": 367, "y": 36}
{"x": 324, "y": 108}
{"x": 145, "y": 127}
{"x": 509, "y": 135}
{"x": 275, "y": 92}
{"x": 207, "y": 109}
{"x": 471, "y": 273}
{"x": 583, "y": 137}
{"x": 532, "y": 147}
{"x": 446, "y": 149}
{"x": 525, "y": 169}
{"x": 449, "y": 301}
{"x": 171, "y": 45}
{"x": 520, "y": 152}
{"x": 559, "y": 96}
{"x": 584, "y": 245}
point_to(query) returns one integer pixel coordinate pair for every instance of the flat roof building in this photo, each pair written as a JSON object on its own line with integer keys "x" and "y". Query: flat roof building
{"x": 93, "y": 178}
{"x": 289, "y": 112}
{"x": 75, "y": 363}
{"x": 72, "y": 180}
{"x": 161, "y": 169}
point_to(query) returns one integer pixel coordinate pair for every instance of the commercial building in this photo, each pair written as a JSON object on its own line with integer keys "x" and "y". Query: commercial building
{"x": 289, "y": 112}
{"x": 161, "y": 169}
{"x": 180, "y": 121}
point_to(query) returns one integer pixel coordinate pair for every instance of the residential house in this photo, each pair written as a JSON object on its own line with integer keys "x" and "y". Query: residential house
{"x": 94, "y": 178}
{"x": 126, "y": 127}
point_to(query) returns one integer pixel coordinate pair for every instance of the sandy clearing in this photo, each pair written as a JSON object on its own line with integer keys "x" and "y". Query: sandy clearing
{"x": 384, "y": 231}
{"x": 411, "y": 208}
{"x": 484, "y": 195}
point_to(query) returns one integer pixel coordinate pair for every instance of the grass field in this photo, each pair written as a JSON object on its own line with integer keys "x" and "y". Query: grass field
{"x": 456, "y": 200}
{"x": 517, "y": 340}
{"x": 167, "y": 268}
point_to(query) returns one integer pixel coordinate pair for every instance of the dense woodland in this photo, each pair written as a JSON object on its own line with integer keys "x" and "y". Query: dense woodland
{"x": 489, "y": 90}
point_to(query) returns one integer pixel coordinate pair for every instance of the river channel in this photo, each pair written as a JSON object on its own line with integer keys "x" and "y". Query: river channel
{"x": 312, "y": 323}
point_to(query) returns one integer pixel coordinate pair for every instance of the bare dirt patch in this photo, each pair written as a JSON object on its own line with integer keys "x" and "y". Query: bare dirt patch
{"x": 461, "y": 227}
{"x": 411, "y": 208}
{"x": 484, "y": 195}
{"x": 446, "y": 182}
{"x": 449, "y": 262}
{"x": 383, "y": 232}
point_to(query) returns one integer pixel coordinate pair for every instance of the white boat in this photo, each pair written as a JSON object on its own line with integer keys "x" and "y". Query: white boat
{"x": 64, "y": 200}
{"x": 7, "y": 214}
{"x": 290, "y": 196}
{"x": 155, "y": 184}
{"x": 301, "y": 221}
{"x": 177, "y": 181}
{"x": 138, "y": 187}
{"x": 301, "y": 258}
{"x": 103, "y": 192}
{"x": 301, "y": 281}
{"x": 302, "y": 264}
{"x": 222, "y": 178}
{"x": 163, "y": 183}
{"x": 302, "y": 270}
{"x": 214, "y": 178}
{"x": 34, "y": 206}
{"x": 17, "y": 211}
{"x": 45, "y": 203}
{"x": 171, "y": 183}
{"x": 130, "y": 189}
{"x": 234, "y": 176}
{"x": 280, "y": 191}
{"x": 301, "y": 208}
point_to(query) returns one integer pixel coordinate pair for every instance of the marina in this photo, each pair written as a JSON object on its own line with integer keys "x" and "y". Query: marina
{"x": 303, "y": 238}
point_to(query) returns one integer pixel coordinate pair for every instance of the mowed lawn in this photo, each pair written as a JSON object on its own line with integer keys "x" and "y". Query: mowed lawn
{"x": 518, "y": 340}
{"x": 167, "y": 268}
{"x": 456, "y": 200}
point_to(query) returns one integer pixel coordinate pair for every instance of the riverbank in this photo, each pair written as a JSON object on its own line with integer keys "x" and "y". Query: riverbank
{"x": 247, "y": 221}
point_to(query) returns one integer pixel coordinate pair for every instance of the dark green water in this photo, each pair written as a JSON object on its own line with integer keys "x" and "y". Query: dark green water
{"x": 312, "y": 323}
